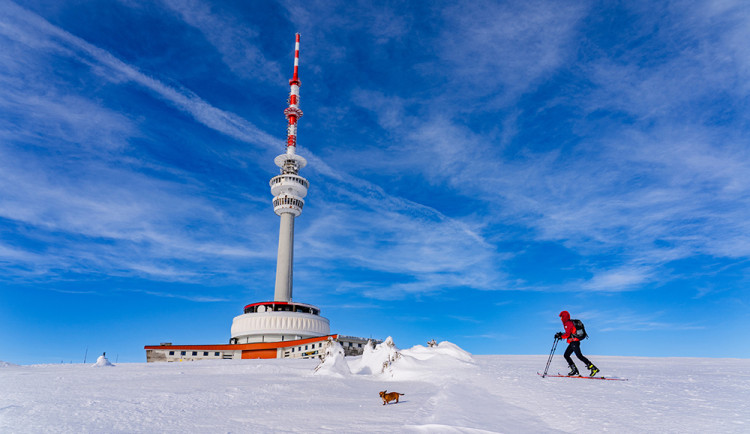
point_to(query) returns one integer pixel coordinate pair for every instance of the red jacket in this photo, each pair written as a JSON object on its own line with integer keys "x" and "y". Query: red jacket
{"x": 570, "y": 328}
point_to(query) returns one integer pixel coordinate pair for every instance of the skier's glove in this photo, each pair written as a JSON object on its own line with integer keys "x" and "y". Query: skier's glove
{"x": 558, "y": 335}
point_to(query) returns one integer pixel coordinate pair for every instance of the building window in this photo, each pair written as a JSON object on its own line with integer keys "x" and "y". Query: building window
{"x": 216, "y": 354}
{"x": 359, "y": 345}
{"x": 171, "y": 353}
{"x": 205, "y": 353}
{"x": 292, "y": 349}
{"x": 182, "y": 353}
{"x": 305, "y": 347}
{"x": 195, "y": 353}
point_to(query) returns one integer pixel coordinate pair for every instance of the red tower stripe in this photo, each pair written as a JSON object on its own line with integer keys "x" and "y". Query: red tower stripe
{"x": 293, "y": 113}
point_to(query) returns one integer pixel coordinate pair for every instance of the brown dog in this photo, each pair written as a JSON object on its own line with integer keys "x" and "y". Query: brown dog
{"x": 388, "y": 397}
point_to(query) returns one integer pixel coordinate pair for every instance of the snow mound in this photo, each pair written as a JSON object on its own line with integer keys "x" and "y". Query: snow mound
{"x": 333, "y": 363}
{"x": 376, "y": 360}
{"x": 443, "y": 361}
{"x": 444, "y": 348}
{"x": 6, "y": 364}
{"x": 102, "y": 361}
{"x": 417, "y": 363}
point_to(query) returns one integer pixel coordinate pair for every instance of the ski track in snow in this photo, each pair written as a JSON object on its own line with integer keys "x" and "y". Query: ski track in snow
{"x": 488, "y": 394}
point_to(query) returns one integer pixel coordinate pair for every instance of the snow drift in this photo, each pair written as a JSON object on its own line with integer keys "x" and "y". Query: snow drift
{"x": 420, "y": 363}
{"x": 446, "y": 390}
{"x": 386, "y": 361}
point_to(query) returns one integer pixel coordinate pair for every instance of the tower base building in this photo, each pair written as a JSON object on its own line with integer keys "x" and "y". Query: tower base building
{"x": 297, "y": 349}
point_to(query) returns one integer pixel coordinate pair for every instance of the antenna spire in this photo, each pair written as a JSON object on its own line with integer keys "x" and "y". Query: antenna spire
{"x": 293, "y": 113}
{"x": 295, "y": 79}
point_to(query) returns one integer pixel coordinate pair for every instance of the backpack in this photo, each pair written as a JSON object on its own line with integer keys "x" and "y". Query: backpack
{"x": 580, "y": 332}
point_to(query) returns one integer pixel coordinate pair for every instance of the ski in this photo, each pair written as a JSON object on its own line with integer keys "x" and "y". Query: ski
{"x": 581, "y": 376}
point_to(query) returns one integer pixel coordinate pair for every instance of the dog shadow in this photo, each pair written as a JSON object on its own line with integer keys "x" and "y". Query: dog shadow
{"x": 401, "y": 401}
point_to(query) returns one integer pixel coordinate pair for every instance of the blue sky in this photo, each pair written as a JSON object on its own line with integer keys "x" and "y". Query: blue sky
{"x": 474, "y": 169}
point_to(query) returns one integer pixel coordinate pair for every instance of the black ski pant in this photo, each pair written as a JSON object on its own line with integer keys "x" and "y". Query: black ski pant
{"x": 575, "y": 346}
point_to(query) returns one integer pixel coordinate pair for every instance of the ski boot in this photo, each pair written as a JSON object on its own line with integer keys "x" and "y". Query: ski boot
{"x": 594, "y": 370}
{"x": 573, "y": 371}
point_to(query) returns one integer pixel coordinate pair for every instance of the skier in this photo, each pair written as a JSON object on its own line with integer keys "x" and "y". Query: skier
{"x": 574, "y": 345}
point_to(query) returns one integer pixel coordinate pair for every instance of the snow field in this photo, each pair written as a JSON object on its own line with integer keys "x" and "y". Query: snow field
{"x": 446, "y": 390}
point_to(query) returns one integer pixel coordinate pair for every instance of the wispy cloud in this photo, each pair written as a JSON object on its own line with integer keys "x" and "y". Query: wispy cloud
{"x": 666, "y": 184}
{"x": 189, "y": 297}
{"x": 619, "y": 279}
{"x": 127, "y": 208}
{"x": 22, "y": 25}
{"x": 608, "y": 321}
{"x": 236, "y": 41}
{"x": 642, "y": 193}
{"x": 108, "y": 213}
{"x": 486, "y": 47}
{"x": 454, "y": 152}
{"x": 653, "y": 190}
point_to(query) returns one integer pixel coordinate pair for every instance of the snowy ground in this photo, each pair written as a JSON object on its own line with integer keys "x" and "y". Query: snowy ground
{"x": 446, "y": 391}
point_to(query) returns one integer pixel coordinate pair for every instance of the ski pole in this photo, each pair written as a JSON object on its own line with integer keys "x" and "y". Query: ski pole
{"x": 551, "y": 353}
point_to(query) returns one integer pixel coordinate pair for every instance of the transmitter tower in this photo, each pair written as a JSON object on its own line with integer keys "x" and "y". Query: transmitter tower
{"x": 289, "y": 189}
{"x": 280, "y": 328}
{"x": 282, "y": 319}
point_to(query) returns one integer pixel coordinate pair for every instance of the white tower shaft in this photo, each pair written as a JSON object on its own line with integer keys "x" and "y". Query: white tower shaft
{"x": 285, "y": 258}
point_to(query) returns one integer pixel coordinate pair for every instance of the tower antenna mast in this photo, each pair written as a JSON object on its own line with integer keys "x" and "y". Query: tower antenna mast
{"x": 293, "y": 113}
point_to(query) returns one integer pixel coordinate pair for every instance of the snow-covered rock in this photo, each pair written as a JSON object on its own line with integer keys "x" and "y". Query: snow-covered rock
{"x": 333, "y": 363}
{"x": 102, "y": 361}
{"x": 377, "y": 360}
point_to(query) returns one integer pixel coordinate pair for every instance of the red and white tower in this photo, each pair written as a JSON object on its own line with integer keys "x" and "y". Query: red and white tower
{"x": 278, "y": 328}
{"x": 289, "y": 189}
{"x": 282, "y": 319}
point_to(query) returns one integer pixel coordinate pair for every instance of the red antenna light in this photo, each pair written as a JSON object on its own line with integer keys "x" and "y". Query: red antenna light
{"x": 293, "y": 113}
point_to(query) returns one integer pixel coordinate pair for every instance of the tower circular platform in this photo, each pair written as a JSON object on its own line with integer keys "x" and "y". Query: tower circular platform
{"x": 275, "y": 321}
